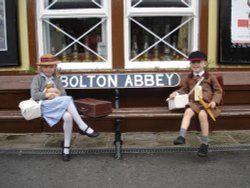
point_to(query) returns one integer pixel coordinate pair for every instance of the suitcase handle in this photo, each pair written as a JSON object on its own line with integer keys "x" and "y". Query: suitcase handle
{"x": 83, "y": 110}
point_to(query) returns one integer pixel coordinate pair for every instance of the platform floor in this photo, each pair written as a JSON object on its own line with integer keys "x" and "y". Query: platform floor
{"x": 135, "y": 140}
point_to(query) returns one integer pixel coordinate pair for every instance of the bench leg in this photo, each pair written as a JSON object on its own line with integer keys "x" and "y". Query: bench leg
{"x": 118, "y": 141}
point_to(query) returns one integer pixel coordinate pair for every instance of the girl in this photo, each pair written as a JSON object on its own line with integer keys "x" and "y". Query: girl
{"x": 55, "y": 104}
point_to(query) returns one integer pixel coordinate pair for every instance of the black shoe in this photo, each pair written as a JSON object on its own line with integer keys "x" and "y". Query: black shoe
{"x": 202, "y": 150}
{"x": 180, "y": 140}
{"x": 93, "y": 134}
{"x": 65, "y": 157}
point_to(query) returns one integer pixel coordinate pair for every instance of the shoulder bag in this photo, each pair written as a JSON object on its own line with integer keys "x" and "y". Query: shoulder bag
{"x": 30, "y": 109}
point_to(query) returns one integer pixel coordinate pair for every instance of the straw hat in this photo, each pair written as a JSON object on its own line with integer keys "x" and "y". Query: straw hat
{"x": 48, "y": 59}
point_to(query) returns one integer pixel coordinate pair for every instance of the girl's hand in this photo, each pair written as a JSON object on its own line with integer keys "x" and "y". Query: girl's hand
{"x": 50, "y": 95}
{"x": 54, "y": 90}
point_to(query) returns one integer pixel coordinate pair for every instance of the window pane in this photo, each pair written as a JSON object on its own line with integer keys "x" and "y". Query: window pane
{"x": 159, "y": 38}
{"x": 3, "y": 27}
{"x": 76, "y": 40}
{"x": 160, "y": 3}
{"x": 71, "y": 4}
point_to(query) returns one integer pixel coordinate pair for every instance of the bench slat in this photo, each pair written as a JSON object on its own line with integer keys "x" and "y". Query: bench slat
{"x": 10, "y": 114}
{"x": 142, "y": 112}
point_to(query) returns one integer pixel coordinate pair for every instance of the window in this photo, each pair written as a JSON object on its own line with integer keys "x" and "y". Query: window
{"x": 78, "y": 32}
{"x": 8, "y": 33}
{"x": 160, "y": 33}
{"x": 157, "y": 33}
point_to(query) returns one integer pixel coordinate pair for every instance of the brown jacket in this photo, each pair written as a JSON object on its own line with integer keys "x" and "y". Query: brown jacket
{"x": 211, "y": 91}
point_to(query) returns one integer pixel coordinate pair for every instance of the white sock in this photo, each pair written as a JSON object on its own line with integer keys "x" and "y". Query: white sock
{"x": 67, "y": 127}
{"x": 89, "y": 131}
{"x": 73, "y": 111}
{"x": 66, "y": 150}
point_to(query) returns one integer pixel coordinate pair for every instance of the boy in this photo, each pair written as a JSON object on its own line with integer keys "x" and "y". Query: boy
{"x": 210, "y": 91}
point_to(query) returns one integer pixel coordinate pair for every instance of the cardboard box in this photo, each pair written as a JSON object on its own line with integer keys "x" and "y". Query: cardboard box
{"x": 179, "y": 102}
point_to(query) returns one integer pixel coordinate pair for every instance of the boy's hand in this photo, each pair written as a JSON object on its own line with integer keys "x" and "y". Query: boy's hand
{"x": 172, "y": 95}
{"x": 212, "y": 104}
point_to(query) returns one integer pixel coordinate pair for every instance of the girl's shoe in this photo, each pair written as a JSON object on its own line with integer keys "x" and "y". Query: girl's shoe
{"x": 93, "y": 134}
{"x": 65, "y": 157}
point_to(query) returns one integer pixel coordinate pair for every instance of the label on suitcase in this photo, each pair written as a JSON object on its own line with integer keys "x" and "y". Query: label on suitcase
{"x": 93, "y": 107}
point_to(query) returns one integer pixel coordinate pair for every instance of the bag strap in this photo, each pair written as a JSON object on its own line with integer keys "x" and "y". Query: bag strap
{"x": 198, "y": 83}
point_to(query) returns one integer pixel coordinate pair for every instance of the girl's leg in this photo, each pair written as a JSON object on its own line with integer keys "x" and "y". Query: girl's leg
{"x": 67, "y": 127}
{"x": 74, "y": 113}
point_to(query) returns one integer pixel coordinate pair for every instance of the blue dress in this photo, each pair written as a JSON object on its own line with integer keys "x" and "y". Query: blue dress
{"x": 53, "y": 110}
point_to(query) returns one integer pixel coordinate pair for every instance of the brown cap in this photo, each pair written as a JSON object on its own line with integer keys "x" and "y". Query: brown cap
{"x": 48, "y": 59}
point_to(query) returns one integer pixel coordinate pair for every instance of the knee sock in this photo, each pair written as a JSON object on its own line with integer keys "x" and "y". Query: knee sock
{"x": 204, "y": 140}
{"x": 183, "y": 132}
{"x": 67, "y": 127}
{"x": 73, "y": 111}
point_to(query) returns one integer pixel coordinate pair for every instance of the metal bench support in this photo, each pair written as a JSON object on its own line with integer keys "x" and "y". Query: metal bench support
{"x": 118, "y": 140}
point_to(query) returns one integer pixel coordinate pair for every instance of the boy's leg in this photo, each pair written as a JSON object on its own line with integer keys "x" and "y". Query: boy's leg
{"x": 203, "y": 118}
{"x": 188, "y": 114}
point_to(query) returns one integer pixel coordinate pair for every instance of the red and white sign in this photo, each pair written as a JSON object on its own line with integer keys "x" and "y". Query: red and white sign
{"x": 240, "y": 23}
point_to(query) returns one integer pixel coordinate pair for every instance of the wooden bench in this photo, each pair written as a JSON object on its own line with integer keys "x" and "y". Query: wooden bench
{"x": 148, "y": 112}
{"x": 228, "y": 112}
{"x": 240, "y": 112}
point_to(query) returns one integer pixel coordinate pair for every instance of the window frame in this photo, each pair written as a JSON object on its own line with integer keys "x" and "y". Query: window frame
{"x": 129, "y": 11}
{"x": 103, "y": 13}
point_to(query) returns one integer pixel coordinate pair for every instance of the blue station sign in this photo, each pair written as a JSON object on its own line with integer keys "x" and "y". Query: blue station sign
{"x": 102, "y": 81}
